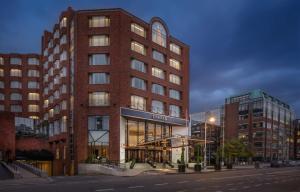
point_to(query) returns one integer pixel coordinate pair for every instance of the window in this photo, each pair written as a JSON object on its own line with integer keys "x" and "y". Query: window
{"x": 175, "y": 79}
{"x": 63, "y": 72}
{"x": 46, "y": 103}
{"x": 51, "y": 112}
{"x": 137, "y": 29}
{"x": 50, "y": 58}
{"x": 138, "y": 65}
{"x": 158, "y": 56}
{"x": 138, "y": 83}
{"x": 56, "y": 49}
{"x": 99, "y": 40}
{"x": 159, "y": 73}
{"x": 63, "y": 56}
{"x": 158, "y": 89}
{"x": 63, "y": 40}
{"x": 63, "y": 124}
{"x": 138, "y": 102}
{"x": 1, "y": 84}
{"x": 157, "y": 107}
{"x": 33, "y": 108}
{"x": 97, "y": 123}
{"x": 2, "y": 97}
{"x": 16, "y": 108}
{"x": 137, "y": 47}
{"x": 98, "y": 78}
{"x": 174, "y": 94}
{"x": 33, "y": 73}
{"x": 159, "y": 34}
{"x": 33, "y": 96}
{"x": 56, "y": 64}
{"x": 175, "y": 64}
{"x": 63, "y": 105}
{"x": 15, "y": 61}
{"x": 1, "y": 61}
{"x": 99, "y": 59}
{"x": 63, "y": 22}
{"x": 16, "y": 84}
{"x": 174, "y": 111}
{"x": 63, "y": 89}
{"x": 15, "y": 73}
{"x": 1, "y": 73}
{"x": 99, "y": 21}
{"x": 33, "y": 61}
{"x": 99, "y": 99}
{"x": 15, "y": 96}
{"x": 1, "y": 107}
{"x": 175, "y": 48}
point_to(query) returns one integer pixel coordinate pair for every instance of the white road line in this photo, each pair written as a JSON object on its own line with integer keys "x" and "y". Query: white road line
{"x": 134, "y": 187}
{"x": 104, "y": 190}
{"x": 161, "y": 184}
{"x": 183, "y": 182}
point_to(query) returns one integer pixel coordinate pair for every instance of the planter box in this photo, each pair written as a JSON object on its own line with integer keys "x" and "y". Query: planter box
{"x": 181, "y": 168}
{"x": 197, "y": 167}
{"x": 191, "y": 165}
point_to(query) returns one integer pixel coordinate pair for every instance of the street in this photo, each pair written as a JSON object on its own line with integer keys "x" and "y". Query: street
{"x": 264, "y": 180}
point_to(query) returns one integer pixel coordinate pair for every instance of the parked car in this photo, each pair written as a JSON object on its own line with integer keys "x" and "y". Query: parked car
{"x": 277, "y": 163}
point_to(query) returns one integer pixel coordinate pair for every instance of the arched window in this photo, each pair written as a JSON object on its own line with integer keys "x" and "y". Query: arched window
{"x": 159, "y": 34}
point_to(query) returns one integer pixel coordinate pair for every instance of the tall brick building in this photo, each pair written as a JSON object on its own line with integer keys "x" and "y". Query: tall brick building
{"x": 112, "y": 83}
{"x": 263, "y": 122}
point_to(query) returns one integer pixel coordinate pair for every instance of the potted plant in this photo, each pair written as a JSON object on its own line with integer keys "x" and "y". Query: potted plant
{"x": 197, "y": 166}
{"x": 181, "y": 165}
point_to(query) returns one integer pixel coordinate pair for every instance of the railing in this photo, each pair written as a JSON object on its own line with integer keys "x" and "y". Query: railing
{"x": 13, "y": 169}
{"x": 31, "y": 169}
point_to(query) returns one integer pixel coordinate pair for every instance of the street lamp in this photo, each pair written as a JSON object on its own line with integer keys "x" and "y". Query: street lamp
{"x": 211, "y": 120}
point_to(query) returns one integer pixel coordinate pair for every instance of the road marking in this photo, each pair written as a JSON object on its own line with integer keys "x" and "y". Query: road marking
{"x": 257, "y": 185}
{"x": 183, "y": 182}
{"x": 229, "y": 184}
{"x": 134, "y": 187}
{"x": 105, "y": 190}
{"x": 161, "y": 184}
{"x": 267, "y": 183}
{"x": 238, "y": 176}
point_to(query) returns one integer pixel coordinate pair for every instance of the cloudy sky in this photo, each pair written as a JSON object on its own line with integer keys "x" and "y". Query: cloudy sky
{"x": 236, "y": 45}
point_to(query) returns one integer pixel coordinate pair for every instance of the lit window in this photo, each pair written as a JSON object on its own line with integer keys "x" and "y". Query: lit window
{"x": 174, "y": 111}
{"x": 33, "y": 61}
{"x": 63, "y": 124}
{"x": 16, "y": 108}
{"x": 174, "y": 94}
{"x": 99, "y": 21}
{"x": 2, "y": 97}
{"x": 15, "y": 73}
{"x": 15, "y": 61}
{"x": 98, "y": 78}
{"x": 159, "y": 34}
{"x": 175, "y": 64}
{"x": 97, "y": 123}
{"x": 33, "y": 117}
{"x": 159, "y": 73}
{"x": 33, "y": 73}
{"x": 1, "y": 73}
{"x": 15, "y": 97}
{"x": 46, "y": 103}
{"x": 137, "y": 47}
{"x": 33, "y": 96}
{"x": 158, "y": 56}
{"x": 99, "y": 99}
{"x": 138, "y": 83}
{"x": 137, "y": 29}
{"x": 158, "y": 89}
{"x": 33, "y": 108}
{"x": 63, "y": 22}
{"x": 63, "y": 105}
{"x": 175, "y": 79}
{"x": 1, "y": 61}
{"x": 138, "y": 65}
{"x": 51, "y": 112}
{"x": 16, "y": 84}
{"x": 99, "y": 40}
{"x": 99, "y": 59}
{"x": 1, "y": 84}
{"x": 175, "y": 49}
{"x": 138, "y": 102}
{"x": 157, "y": 107}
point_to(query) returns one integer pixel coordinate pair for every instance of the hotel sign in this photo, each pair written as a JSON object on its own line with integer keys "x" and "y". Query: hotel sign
{"x": 152, "y": 116}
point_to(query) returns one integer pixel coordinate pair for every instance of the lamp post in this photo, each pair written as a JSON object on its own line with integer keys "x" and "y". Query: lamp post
{"x": 211, "y": 120}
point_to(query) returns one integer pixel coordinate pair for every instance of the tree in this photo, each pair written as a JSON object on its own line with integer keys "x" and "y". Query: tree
{"x": 235, "y": 148}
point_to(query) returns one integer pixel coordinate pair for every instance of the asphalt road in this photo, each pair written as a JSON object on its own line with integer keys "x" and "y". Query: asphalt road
{"x": 248, "y": 180}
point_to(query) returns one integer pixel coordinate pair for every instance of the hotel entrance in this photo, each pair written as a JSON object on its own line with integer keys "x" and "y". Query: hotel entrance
{"x": 147, "y": 141}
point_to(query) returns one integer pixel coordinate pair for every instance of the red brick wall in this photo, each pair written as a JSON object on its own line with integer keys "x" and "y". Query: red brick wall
{"x": 31, "y": 143}
{"x": 7, "y": 135}
{"x": 231, "y": 121}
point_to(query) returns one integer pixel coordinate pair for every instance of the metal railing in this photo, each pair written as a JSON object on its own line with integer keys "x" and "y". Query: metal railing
{"x": 31, "y": 169}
